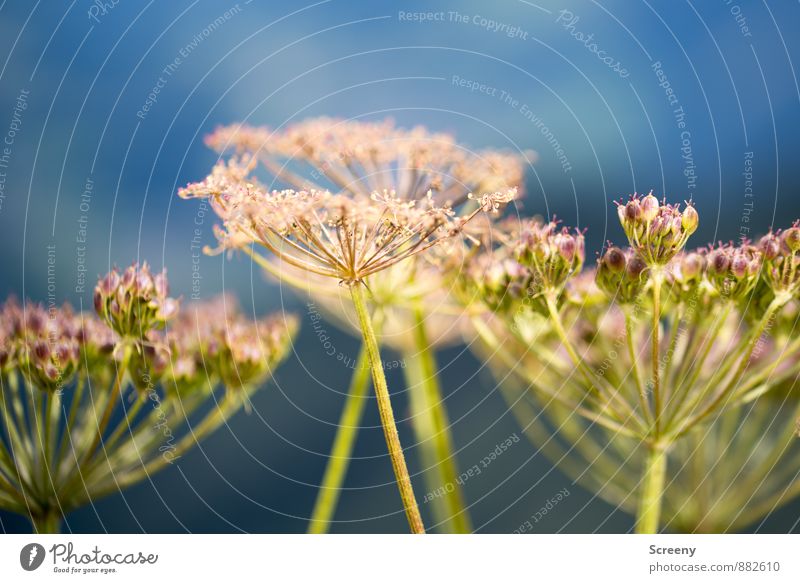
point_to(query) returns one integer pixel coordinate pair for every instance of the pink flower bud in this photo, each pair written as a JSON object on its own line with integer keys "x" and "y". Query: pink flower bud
{"x": 690, "y": 219}
{"x": 650, "y": 208}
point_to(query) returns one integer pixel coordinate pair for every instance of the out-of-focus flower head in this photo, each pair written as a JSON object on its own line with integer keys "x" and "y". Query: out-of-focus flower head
{"x": 244, "y": 352}
{"x": 621, "y": 274}
{"x": 685, "y": 274}
{"x": 657, "y": 232}
{"x": 212, "y": 341}
{"x": 134, "y": 302}
{"x": 553, "y": 255}
{"x": 733, "y": 271}
{"x": 363, "y": 157}
{"x": 41, "y": 342}
{"x": 781, "y": 251}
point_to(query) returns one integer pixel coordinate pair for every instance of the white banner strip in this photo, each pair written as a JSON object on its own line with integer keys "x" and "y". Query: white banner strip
{"x": 389, "y": 558}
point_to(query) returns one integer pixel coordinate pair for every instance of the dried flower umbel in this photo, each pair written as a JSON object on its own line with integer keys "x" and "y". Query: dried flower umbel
{"x": 385, "y": 216}
{"x": 65, "y": 373}
{"x": 699, "y": 321}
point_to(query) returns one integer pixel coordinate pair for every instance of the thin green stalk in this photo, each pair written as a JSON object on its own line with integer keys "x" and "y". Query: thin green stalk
{"x": 657, "y": 407}
{"x": 116, "y": 391}
{"x": 774, "y": 306}
{"x": 590, "y": 376}
{"x": 654, "y": 475}
{"x": 48, "y": 522}
{"x": 432, "y": 429}
{"x": 342, "y": 450}
{"x": 385, "y": 410}
{"x": 643, "y": 402}
{"x": 77, "y": 396}
{"x": 684, "y": 388}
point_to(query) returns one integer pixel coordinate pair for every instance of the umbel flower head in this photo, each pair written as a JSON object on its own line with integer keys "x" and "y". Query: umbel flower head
{"x": 135, "y": 301}
{"x": 656, "y": 231}
{"x": 621, "y": 274}
{"x": 215, "y": 338}
{"x": 362, "y": 157}
{"x": 42, "y": 342}
{"x": 781, "y": 251}
{"x": 733, "y": 271}
{"x": 552, "y": 254}
{"x": 335, "y": 235}
{"x": 521, "y": 261}
{"x": 66, "y": 362}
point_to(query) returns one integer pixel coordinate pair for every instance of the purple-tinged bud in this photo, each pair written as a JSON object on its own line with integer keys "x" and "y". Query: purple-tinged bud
{"x": 41, "y": 350}
{"x": 689, "y": 218}
{"x": 791, "y": 239}
{"x": 615, "y": 259}
{"x": 566, "y": 246}
{"x": 769, "y": 246}
{"x": 650, "y": 208}
{"x": 633, "y": 210}
{"x": 636, "y": 266}
{"x": 739, "y": 265}
{"x": 692, "y": 265}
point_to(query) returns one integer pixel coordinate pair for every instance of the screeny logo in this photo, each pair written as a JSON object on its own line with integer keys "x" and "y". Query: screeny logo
{"x": 31, "y": 556}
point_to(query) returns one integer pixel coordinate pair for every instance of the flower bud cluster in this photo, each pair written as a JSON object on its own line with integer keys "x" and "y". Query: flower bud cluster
{"x": 733, "y": 271}
{"x": 686, "y": 274}
{"x": 42, "y": 343}
{"x": 656, "y": 231}
{"x": 212, "y": 340}
{"x": 135, "y": 301}
{"x": 781, "y": 251}
{"x": 552, "y": 255}
{"x": 621, "y": 274}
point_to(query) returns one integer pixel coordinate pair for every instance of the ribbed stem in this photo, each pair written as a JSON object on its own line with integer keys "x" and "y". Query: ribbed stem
{"x": 116, "y": 390}
{"x": 342, "y": 450}
{"x": 385, "y": 410}
{"x": 652, "y": 490}
{"x": 657, "y": 407}
{"x": 432, "y": 430}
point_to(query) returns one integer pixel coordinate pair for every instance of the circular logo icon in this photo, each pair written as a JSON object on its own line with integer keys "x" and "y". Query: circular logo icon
{"x": 31, "y": 556}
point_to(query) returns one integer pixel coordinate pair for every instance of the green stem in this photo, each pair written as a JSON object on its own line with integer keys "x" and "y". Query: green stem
{"x": 657, "y": 408}
{"x": 48, "y": 522}
{"x": 718, "y": 399}
{"x": 643, "y": 402}
{"x": 342, "y": 450}
{"x": 385, "y": 410}
{"x": 432, "y": 430}
{"x": 116, "y": 391}
{"x": 623, "y": 415}
{"x": 652, "y": 490}
{"x": 77, "y": 396}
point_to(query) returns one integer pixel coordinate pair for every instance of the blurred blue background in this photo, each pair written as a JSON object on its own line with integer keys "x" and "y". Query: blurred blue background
{"x": 698, "y": 100}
